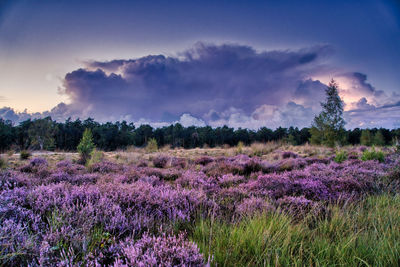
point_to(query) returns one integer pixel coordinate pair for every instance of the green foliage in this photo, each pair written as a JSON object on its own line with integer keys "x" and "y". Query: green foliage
{"x": 364, "y": 234}
{"x": 340, "y": 156}
{"x": 86, "y": 145}
{"x": 328, "y": 126}
{"x": 7, "y": 134}
{"x": 152, "y": 145}
{"x": 366, "y": 138}
{"x": 373, "y": 155}
{"x": 239, "y": 147}
{"x": 379, "y": 140}
{"x": 32, "y": 134}
{"x": 96, "y": 156}
{"x": 41, "y": 134}
{"x": 3, "y": 163}
{"x": 24, "y": 154}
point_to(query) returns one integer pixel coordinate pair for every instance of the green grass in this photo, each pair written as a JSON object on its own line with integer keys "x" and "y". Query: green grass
{"x": 340, "y": 156}
{"x": 364, "y": 234}
{"x": 373, "y": 155}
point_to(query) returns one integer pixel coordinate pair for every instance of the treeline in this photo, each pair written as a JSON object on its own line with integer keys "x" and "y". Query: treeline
{"x": 51, "y": 135}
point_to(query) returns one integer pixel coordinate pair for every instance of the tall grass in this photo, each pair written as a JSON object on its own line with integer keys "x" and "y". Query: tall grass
{"x": 363, "y": 234}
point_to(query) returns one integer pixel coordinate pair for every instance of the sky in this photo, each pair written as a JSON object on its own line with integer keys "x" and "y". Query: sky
{"x": 238, "y": 63}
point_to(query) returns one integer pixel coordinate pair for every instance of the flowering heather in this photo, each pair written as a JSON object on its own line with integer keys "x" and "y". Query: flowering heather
{"x": 36, "y": 165}
{"x": 253, "y": 205}
{"x": 289, "y": 154}
{"x": 164, "y": 250}
{"x": 111, "y": 214}
{"x": 69, "y": 167}
{"x": 178, "y": 163}
{"x": 105, "y": 167}
{"x": 161, "y": 161}
{"x": 228, "y": 180}
{"x": 297, "y": 206}
{"x": 204, "y": 160}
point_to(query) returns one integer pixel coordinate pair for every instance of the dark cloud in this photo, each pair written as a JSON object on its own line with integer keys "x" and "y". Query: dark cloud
{"x": 363, "y": 104}
{"x": 216, "y": 85}
{"x": 206, "y": 77}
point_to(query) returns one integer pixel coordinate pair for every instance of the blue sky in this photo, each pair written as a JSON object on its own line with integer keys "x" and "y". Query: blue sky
{"x": 59, "y": 58}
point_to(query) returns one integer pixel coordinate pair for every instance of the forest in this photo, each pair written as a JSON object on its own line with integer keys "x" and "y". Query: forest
{"x": 48, "y": 134}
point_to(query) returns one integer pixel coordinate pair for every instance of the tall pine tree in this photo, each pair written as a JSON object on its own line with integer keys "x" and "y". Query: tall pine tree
{"x": 328, "y": 127}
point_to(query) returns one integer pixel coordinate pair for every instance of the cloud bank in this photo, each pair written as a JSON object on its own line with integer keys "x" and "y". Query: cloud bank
{"x": 217, "y": 85}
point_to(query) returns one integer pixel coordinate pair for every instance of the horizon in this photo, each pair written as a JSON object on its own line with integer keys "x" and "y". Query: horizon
{"x": 232, "y": 63}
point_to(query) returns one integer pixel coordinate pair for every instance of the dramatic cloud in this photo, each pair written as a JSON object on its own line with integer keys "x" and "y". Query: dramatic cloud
{"x": 356, "y": 90}
{"x": 216, "y": 85}
{"x": 197, "y": 81}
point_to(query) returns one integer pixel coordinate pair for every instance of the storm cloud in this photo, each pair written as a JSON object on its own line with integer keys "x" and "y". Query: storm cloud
{"x": 216, "y": 85}
{"x": 206, "y": 78}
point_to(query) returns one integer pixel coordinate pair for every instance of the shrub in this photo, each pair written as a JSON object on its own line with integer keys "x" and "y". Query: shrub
{"x": 289, "y": 154}
{"x": 160, "y": 161}
{"x": 86, "y": 145}
{"x": 239, "y": 148}
{"x": 373, "y": 155}
{"x": 3, "y": 162}
{"x": 204, "y": 160}
{"x": 38, "y": 162}
{"x": 165, "y": 250}
{"x": 253, "y": 206}
{"x": 179, "y": 163}
{"x": 152, "y": 145}
{"x": 340, "y": 156}
{"x": 96, "y": 156}
{"x": 25, "y": 154}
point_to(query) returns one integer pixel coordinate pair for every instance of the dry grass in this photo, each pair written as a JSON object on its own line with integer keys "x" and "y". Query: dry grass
{"x": 270, "y": 151}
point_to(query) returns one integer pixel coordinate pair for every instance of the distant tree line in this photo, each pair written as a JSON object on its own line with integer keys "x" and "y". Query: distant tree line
{"x": 48, "y": 134}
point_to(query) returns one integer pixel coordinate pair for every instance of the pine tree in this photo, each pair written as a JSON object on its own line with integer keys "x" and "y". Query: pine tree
{"x": 86, "y": 145}
{"x": 328, "y": 126}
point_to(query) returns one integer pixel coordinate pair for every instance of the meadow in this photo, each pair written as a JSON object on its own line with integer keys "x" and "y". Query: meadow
{"x": 261, "y": 205}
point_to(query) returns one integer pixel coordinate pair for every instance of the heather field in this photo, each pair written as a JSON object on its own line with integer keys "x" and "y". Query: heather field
{"x": 261, "y": 205}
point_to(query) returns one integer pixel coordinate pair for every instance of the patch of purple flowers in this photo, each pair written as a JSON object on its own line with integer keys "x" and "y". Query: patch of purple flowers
{"x": 48, "y": 215}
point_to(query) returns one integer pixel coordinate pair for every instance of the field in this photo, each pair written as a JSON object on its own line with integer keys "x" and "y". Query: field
{"x": 263, "y": 205}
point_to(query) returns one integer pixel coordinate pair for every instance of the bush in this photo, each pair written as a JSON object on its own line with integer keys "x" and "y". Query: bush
{"x": 289, "y": 154}
{"x": 160, "y": 161}
{"x": 95, "y": 157}
{"x": 86, "y": 145}
{"x": 152, "y": 145}
{"x": 239, "y": 148}
{"x": 165, "y": 250}
{"x": 25, "y": 154}
{"x": 340, "y": 156}
{"x": 3, "y": 163}
{"x": 373, "y": 155}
